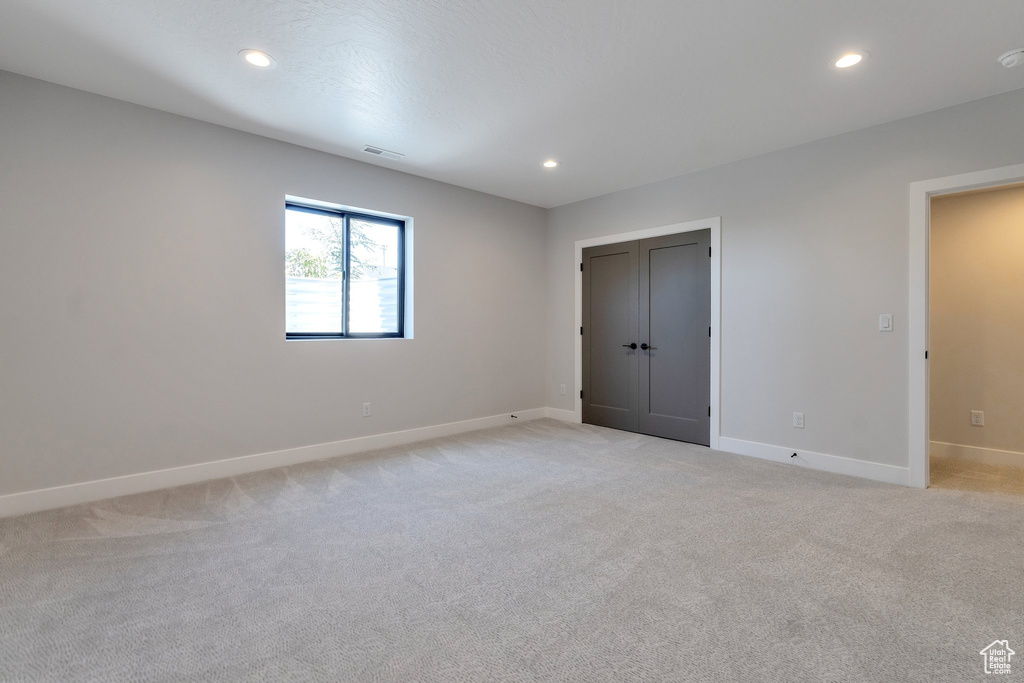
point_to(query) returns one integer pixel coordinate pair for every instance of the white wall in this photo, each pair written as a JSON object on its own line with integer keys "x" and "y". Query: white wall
{"x": 814, "y": 248}
{"x": 142, "y": 296}
{"x": 977, "y": 319}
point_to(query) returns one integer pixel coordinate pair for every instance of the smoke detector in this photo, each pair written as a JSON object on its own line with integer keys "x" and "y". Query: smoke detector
{"x": 1012, "y": 58}
{"x": 378, "y": 152}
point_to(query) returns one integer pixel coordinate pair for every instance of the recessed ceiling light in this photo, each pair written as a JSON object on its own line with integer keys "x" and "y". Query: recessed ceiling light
{"x": 850, "y": 59}
{"x": 258, "y": 58}
{"x": 1012, "y": 58}
{"x": 550, "y": 163}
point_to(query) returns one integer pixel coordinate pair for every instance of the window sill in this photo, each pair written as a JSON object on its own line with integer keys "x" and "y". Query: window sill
{"x": 350, "y": 338}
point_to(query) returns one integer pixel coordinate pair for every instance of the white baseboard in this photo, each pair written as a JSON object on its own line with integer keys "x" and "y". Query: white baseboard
{"x": 101, "y": 489}
{"x": 559, "y": 414}
{"x": 985, "y": 456}
{"x": 818, "y": 461}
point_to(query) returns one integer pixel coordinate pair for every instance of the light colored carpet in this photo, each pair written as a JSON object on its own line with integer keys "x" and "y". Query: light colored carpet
{"x": 962, "y": 475}
{"x": 540, "y": 551}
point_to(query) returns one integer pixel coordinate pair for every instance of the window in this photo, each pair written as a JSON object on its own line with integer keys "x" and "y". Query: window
{"x": 344, "y": 274}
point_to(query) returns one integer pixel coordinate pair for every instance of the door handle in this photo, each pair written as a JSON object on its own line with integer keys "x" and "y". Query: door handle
{"x": 645, "y": 347}
{"x": 630, "y": 346}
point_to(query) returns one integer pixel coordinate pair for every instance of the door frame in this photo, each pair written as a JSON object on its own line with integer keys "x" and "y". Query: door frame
{"x": 715, "y": 225}
{"x": 921, "y": 194}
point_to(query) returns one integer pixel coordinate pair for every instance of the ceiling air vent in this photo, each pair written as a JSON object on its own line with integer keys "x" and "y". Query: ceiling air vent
{"x": 378, "y": 152}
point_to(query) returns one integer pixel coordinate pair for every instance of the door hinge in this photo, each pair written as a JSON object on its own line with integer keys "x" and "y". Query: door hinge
{"x": 709, "y": 411}
{"x": 581, "y": 267}
{"x": 709, "y": 252}
{"x": 581, "y": 330}
{"x": 926, "y": 355}
{"x": 709, "y": 331}
{"x": 581, "y": 393}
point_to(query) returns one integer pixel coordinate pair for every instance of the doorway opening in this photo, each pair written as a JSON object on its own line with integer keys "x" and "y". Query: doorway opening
{"x": 953, "y": 328}
{"x": 713, "y": 226}
{"x": 976, "y": 323}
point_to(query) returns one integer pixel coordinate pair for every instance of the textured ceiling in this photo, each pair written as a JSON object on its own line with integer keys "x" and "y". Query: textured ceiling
{"x": 479, "y": 92}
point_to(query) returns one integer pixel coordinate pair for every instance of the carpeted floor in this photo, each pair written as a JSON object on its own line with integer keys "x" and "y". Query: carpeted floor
{"x": 540, "y": 551}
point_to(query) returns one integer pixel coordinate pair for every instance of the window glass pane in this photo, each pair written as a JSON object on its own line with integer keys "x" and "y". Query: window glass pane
{"x": 314, "y": 263}
{"x": 373, "y": 284}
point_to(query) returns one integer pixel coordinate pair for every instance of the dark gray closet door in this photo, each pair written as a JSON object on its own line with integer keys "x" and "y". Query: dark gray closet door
{"x": 610, "y": 305}
{"x": 675, "y": 324}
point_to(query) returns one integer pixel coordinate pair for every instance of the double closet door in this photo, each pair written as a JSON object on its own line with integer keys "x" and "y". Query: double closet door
{"x": 647, "y": 336}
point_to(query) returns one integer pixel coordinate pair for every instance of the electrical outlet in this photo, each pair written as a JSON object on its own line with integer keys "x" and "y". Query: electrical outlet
{"x": 798, "y": 420}
{"x": 978, "y": 418}
{"x": 561, "y": 389}
{"x": 366, "y": 410}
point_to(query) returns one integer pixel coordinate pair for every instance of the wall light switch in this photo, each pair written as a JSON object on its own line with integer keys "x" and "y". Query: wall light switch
{"x": 561, "y": 389}
{"x": 885, "y": 322}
